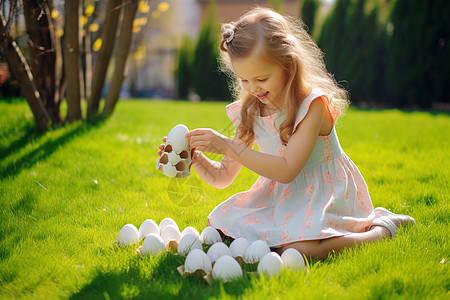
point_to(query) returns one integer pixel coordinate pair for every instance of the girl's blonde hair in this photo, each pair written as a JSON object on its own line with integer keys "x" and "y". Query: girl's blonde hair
{"x": 285, "y": 42}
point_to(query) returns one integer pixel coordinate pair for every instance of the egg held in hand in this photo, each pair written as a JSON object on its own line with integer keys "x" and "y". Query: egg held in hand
{"x": 175, "y": 158}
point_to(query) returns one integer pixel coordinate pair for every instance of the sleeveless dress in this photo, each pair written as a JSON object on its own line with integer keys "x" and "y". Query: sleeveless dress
{"x": 328, "y": 198}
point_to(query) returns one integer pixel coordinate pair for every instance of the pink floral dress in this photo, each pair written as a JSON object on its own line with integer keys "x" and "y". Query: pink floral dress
{"x": 328, "y": 198}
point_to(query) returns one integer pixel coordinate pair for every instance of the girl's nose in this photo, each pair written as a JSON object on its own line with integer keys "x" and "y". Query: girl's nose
{"x": 254, "y": 88}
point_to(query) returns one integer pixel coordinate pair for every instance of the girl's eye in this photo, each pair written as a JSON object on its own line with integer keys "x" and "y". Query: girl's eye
{"x": 244, "y": 81}
{"x": 262, "y": 80}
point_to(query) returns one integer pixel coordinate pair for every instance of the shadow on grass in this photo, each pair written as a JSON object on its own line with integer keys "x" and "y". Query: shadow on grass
{"x": 28, "y": 159}
{"x": 163, "y": 282}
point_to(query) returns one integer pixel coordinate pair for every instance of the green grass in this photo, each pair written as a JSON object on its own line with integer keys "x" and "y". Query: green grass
{"x": 66, "y": 194}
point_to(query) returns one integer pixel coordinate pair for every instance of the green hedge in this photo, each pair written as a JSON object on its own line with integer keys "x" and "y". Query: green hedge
{"x": 402, "y": 61}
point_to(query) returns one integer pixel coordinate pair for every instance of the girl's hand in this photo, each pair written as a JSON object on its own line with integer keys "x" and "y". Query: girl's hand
{"x": 161, "y": 146}
{"x": 208, "y": 140}
{"x": 195, "y": 155}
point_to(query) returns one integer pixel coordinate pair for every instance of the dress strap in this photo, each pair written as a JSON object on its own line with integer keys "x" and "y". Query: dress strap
{"x": 306, "y": 103}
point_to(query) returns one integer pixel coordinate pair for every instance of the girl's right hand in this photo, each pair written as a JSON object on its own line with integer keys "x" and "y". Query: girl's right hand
{"x": 161, "y": 146}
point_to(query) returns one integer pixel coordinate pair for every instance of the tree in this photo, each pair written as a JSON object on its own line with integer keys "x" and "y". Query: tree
{"x": 41, "y": 75}
{"x": 308, "y": 13}
{"x": 419, "y": 49}
{"x": 208, "y": 81}
{"x": 354, "y": 43}
{"x": 108, "y": 37}
{"x": 183, "y": 75}
{"x": 71, "y": 54}
{"x": 121, "y": 57}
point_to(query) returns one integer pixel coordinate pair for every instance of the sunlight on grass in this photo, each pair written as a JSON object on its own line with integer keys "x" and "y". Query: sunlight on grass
{"x": 66, "y": 194}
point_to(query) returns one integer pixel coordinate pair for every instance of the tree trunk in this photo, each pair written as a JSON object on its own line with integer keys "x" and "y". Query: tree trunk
{"x": 72, "y": 59}
{"x": 108, "y": 37}
{"x": 121, "y": 56}
{"x": 43, "y": 54}
{"x": 87, "y": 64}
{"x": 21, "y": 71}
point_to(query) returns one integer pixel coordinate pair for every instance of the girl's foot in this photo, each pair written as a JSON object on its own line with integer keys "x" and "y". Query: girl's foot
{"x": 391, "y": 221}
{"x": 383, "y": 212}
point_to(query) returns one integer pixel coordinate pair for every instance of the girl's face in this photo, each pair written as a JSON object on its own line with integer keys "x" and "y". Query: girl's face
{"x": 261, "y": 78}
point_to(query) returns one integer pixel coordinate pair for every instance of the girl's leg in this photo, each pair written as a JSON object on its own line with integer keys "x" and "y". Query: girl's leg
{"x": 225, "y": 238}
{"x": 322, "y": 248}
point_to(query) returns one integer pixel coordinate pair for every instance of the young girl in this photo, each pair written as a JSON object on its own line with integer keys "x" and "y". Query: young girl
{"x": 310, "y": 195}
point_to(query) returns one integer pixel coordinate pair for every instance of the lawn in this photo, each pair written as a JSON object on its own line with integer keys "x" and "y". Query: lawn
{"x": 66, "y": 194}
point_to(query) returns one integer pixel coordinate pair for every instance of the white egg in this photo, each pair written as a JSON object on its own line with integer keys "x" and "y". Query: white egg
{"x": 226, "y": 268}
{"x": 188, "y": 243}
{"x": 292, "y": 259}
{"x": 270, "y": 264}
{"x": 239, "y": 246}
{"x": 256, "y": 251}
{"x": 153, "y": 244}
{"x": 217, "y": 250}
{"x": 197, "y": 259}
{"x": 177, "y": 139}
{"x": 165, "y": 222}
{"x": 128, "y": 235}
{"x": 190, "y": 230}
{"x": 169, "y": 170}
{"x": 174, "y": 158}
{"x": 147, "y": 227}
{"x": 210, "y": 235}
{"x": 170, "y": 233}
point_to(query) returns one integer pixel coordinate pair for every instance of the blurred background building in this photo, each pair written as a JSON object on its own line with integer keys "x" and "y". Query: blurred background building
{"x": 152, "y": 74}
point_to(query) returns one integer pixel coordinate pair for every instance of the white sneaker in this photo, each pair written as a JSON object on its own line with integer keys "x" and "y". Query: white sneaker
{"x": 391, "y": 221}
{"x": 387, "y": 223}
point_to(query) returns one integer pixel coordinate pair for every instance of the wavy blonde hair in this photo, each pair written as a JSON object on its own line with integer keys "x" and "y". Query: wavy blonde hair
{"x": 285, "y": 42}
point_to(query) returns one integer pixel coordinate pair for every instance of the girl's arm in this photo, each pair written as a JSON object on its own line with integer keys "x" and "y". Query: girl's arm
{"x": 217, "y": 174}
{"x": 282, "y": 169}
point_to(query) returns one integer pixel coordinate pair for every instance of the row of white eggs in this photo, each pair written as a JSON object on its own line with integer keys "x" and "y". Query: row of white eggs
{"x": 224, "y": 267}
{"x": 167, "y": 231}
{"x": 223, "y": 258}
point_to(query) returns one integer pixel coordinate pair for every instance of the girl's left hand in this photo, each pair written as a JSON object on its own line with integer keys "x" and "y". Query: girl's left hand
{"x": 208, "y": 140}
